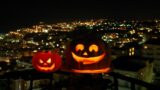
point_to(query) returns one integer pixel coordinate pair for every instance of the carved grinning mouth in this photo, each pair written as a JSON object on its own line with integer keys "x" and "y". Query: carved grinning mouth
{"x": 47, "y": 68}
{"x": 89, "y": 60}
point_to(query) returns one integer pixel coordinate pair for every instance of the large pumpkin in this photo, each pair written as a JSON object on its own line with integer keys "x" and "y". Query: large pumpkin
{"x": 87, "y": 55}
{"x": 46, "y": 61}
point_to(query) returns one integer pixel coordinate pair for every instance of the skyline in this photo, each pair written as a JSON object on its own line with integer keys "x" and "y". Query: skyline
{"x": 15, "y": 16}
{"x": 120, "y": 39}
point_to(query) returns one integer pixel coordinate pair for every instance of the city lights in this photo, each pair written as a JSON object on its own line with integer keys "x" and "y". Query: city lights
{"x": 124, "y": 38}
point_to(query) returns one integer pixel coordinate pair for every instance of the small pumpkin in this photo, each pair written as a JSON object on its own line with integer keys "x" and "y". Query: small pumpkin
{"x": 46, "y": 61}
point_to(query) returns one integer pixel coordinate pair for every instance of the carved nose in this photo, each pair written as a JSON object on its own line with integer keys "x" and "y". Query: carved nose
{"x": 85, "y": 53}
{"x": 45, "y": 64}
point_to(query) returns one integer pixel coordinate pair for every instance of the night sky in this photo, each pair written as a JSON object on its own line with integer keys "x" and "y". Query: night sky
{"x": 24, "y": 14}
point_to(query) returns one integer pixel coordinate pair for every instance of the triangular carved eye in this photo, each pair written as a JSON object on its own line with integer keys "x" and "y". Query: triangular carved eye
{"x": 93, "y": 47}
{"x": 49, "y": 61}
{"x": 79, "y": 47}
{"x": 41, "y": 61}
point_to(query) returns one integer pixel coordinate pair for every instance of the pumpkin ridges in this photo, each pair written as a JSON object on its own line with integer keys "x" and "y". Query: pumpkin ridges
{"x": 55, "y": 59}
{"x": 72, "y": 65}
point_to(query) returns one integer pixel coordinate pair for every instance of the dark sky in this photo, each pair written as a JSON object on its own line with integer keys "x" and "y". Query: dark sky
{"x": 16, "y": 15}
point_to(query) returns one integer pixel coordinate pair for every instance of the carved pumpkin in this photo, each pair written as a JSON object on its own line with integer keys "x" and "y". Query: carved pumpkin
{"x": 46, "y": 61}
{"x": 87, "y": 55}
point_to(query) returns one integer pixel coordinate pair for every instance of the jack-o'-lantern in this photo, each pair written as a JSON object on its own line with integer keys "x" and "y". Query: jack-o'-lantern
{"x": 46, "y": 61}
{"x": 87, "y": 55}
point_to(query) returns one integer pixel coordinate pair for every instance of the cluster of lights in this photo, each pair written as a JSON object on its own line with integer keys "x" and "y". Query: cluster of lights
{"x": 52, "y": 30}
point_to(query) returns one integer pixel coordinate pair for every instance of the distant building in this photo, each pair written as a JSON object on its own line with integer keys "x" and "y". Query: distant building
{"x": 130, "y": 49}
{"x": 136, "y": 67}
{"x": 151, "y": 49}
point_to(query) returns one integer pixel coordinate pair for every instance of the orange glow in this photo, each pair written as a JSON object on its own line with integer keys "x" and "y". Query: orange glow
{"x": 41, "y": 61}
{"x": 89, "y": 60}
{"x": 46, "y": 61}
{"x": 79, "y": 47}
{"x": 46, "y": 68}
{"x": 93, "y": 47}
{"x": 85, "y": 53}
{"x": 49, "y": 61}
{"x": 92, "y": 71}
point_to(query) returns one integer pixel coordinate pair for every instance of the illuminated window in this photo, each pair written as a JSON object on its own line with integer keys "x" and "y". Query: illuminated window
{"x": 145, "y": 47}
{"x": 131, "y": 51}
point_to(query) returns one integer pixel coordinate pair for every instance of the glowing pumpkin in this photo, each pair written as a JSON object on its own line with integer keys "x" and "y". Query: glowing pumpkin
{"x": 46, "y": 61}
{"x": 87, "y": 55}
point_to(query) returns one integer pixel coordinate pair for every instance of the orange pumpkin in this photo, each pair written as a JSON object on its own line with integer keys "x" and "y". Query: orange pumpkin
{"x": 46, "y": 61}
{"x": 87, "y": 55}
